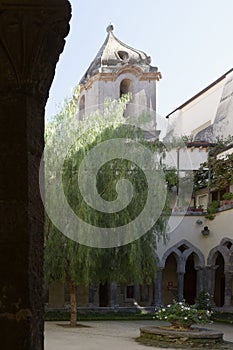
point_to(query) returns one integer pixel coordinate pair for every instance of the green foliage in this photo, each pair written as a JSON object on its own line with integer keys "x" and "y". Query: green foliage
{"x": 212, "y": 209}
{"x": 171, "y": 177}
{"x": 214, "y": 206}
{"x": 210, "y": 216}
{"x": 176, "y": 142}
{"x": 228, "y": 196}
{"x": 99, "y": 316}
{"x": 65, "y": 260}
{"x": 203, "y": 300}
{"x": 215, "y": 173}
{"x": 182, "y": 315}
{"x": 68, "y": 260}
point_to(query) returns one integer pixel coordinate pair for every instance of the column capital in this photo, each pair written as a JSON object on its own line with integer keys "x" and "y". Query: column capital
{"x": 212, "y": 267}
{"x": 31, "y": 39}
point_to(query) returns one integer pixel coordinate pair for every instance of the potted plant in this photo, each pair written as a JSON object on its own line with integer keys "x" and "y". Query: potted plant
{"x": 182, "y": 315}
{"x": 227, "y": 198}
{"x": 212, "y": 210}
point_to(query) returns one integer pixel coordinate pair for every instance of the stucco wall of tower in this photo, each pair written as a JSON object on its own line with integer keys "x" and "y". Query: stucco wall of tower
{"x": 187, "y": 228}
{"x": 143, "y": 92}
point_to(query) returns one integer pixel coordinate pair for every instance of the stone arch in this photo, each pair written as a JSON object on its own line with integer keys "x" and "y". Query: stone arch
{"x": 184, "y": 251}
{"x": 182, "y": 256}
{"x": 170, "y": 278}
{"x": 224, "y": 249}
{"x": 220, "y": 262}
{"x": 126, "y": 86}
{"x": 134, "y": 70}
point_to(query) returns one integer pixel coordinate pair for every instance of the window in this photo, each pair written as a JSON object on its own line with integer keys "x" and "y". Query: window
{"x": 123, "y": 55}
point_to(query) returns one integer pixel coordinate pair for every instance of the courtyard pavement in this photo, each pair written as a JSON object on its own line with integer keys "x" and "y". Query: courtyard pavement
{"x": 112, "y": 335}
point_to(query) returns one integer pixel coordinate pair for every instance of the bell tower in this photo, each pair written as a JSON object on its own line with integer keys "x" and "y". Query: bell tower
{"x": 118, "y": 69}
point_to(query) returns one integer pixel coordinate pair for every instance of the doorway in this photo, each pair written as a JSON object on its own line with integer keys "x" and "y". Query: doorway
{"x": 190, "y": 281}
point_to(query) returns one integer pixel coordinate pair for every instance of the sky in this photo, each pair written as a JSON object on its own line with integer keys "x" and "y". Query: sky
{"x": 190, "y": 41}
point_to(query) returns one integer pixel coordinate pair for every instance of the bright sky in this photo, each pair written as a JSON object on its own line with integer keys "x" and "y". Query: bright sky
{"x": 190, "y": 41}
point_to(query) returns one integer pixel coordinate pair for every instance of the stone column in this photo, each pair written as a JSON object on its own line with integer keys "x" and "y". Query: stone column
{"x": 210, "y": 282}
{"x": 200, "y": 280}
{"x": 92, "y": 289}
{"x": 228, "y": 288}
{"x": 114, "y": 295}
{"x": 31, "y": 40}
{"x": 136, "y": 292}
{"x": 180, "y": 285}
{"x": 157, "y": 288}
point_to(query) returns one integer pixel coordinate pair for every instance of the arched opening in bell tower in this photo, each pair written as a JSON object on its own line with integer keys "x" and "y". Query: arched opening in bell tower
{"x": 126, "y": 87}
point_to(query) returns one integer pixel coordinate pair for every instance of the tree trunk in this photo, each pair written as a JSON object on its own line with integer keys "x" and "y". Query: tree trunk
{"x": 73, "y": 304}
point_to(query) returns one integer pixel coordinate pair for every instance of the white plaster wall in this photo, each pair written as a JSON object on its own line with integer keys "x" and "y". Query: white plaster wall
{"x": 188, "y": 229}
{"x": 198, "y": 112}
{"x": 189, "y": 159}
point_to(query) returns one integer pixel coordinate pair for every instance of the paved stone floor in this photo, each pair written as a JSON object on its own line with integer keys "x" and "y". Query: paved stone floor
{"x": 112, "y": 335}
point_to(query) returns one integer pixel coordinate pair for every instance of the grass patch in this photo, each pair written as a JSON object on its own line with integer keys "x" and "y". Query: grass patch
{"x": 225, "y": 317}
{"x": 61, "y": 315}
{"x": 98, "y": 316}
{"x": 164, "y": 345}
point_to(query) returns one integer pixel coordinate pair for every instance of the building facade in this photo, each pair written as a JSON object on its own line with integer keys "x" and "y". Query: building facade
{"x": 198, "y": 255}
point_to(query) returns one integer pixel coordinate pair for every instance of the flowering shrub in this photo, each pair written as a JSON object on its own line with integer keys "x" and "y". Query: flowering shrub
{"x": 182, "y": 315}
{"x": 203, "y": 300}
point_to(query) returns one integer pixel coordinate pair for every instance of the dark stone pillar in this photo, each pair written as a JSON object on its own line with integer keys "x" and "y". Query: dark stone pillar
{"x": 180, "y": 286}
{"x": 157, "y": 289}
{"x": 228, "y": 289}
{"x": 200, "y": 280}
{"x": 136, "y": 292}
{"x": 92, "y": 290}
{"x": 114, "y": 295}
{"x": 31, "y": 40}
{"x": 210, "y": 282}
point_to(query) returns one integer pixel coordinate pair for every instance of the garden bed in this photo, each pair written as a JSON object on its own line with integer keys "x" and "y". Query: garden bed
{"x": 195, "y": 338}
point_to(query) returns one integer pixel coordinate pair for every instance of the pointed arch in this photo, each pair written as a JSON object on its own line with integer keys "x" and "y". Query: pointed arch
{"x": 225, "y": 248}
{"x": 182, "y": 250}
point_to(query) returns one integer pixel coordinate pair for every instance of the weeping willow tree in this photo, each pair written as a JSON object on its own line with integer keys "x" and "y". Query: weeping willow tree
{"x": 78, "y": 264}
{"x": 65, "y": 260}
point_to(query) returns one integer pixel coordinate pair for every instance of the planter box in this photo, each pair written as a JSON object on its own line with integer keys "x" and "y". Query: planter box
{"x": 226, "y": 202}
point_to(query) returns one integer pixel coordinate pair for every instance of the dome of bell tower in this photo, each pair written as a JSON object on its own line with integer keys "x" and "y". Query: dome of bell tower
{"x": 114, "y": 54}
